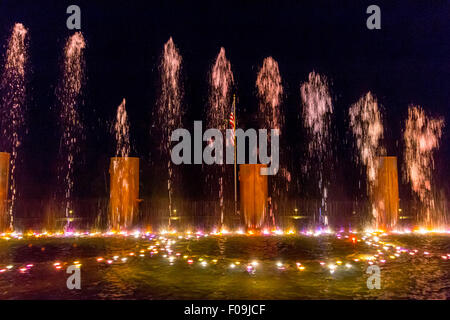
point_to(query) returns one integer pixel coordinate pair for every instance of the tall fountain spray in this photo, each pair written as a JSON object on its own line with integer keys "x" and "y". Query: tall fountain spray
{"x": 122, "y": 131}
{"x": 367, "y": 127}
{"x": 124, "y": 174}
{"x": 13, "y": 91}
{"x": 169, "y": 108}
{"x": 270, "y": 94}
{"x": 68, "y": 94}
{"x": 220, "y": 106}
{"x": 421, "y": 137}
{"x": 317, "y": 111}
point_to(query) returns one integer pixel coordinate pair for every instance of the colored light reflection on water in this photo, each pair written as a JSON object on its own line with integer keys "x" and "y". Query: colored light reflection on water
{"x": 233, "y": 266}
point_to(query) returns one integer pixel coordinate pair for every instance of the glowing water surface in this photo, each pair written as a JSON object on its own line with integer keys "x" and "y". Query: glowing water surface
{"x": 227, "y": 267}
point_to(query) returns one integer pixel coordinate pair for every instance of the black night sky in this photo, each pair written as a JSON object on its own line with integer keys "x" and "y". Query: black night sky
{"x": 407, "y": 61}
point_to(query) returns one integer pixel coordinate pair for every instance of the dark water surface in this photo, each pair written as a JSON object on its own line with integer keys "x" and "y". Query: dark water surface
{"x": 202, "y": 268}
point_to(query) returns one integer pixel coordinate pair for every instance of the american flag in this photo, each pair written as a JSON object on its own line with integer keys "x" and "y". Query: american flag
{"x": 232, "y": 123}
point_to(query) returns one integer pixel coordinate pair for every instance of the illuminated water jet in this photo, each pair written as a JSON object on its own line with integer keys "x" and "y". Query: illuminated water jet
{"x": 365, "y": 121}
{"x": 68, "y": 94}
{"x": 221, "y": 83}
{"x": 317, "y": 110}
{"x": 122, "y": 131}
{"x": 421, "y": 137}
{"x": 367, "y": 128}
{"x": 169, "y": 108}
{"x": 124, "y": 192}
{"x": 13, "y": 90}
{"x": 124, "y": 177}
{"x": 270, "y": 93}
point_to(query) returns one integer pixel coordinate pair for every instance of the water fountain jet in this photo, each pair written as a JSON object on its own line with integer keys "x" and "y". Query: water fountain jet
{"x": 421, "y": 136}
{"x": 221, "y": 83}
{"x": 68, "y": 95}
{"x": 169, "y": 109}
{"x": 13, "y": 103}
{"x": 124, "y": 177}
{"x": 317, "y": 111}
{"x": 367, "y": 128}
{"x": 270, "y": 94}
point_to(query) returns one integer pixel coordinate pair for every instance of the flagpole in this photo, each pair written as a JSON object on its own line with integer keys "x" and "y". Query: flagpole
{"x": 235, "y": 154}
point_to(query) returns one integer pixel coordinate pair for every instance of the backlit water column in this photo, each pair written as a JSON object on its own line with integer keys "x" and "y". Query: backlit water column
{"x": 270, "y": 93}
{"x": 421, "y": 137}
{"x": 68, "y": 95}
{"x": 317, "y": 111}
{"x": 220, "y": 106}
{"x": 13, "y": 92}
{"x": 124, "y": 177}
{"x": 169, "y": 109}
{"x": 367, "y": 128}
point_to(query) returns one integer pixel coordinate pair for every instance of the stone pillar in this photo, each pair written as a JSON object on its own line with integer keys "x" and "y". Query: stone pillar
{"x": 386, "y": 199}
{"x": 253, "y": 195}
{"x": 124, "y": 192}
{"x": 4, "y": 182}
